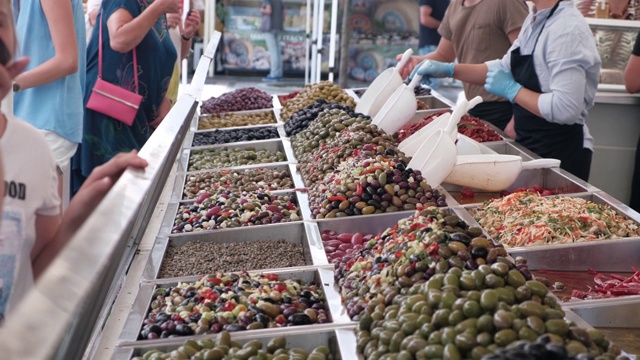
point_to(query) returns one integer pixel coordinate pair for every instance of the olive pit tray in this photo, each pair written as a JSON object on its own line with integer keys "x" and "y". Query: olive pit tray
{"x": 236, "y": 113}
{"x": 322, "y": 276}
{"x": 302, "y": 233}
{"x": 181, "y": 178}
{"x": 272, "y": 145}
{"x": 306, "y": 339}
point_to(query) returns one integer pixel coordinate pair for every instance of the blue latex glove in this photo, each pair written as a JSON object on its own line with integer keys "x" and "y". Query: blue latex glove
{"x": 500, "y": 82}
{"x": 435, "y": 69}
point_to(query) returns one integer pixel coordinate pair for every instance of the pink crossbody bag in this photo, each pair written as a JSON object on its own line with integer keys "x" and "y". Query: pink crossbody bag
{"x": 112, "y": 100}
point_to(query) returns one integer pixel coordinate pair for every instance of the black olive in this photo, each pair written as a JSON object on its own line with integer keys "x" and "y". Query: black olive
{"x": 463, "y": 238}
{"x": 155, "y": 329}
{"x": 306, "y": 294}
{"x": 479, "y": 252}
{"x": 162, "y": 317}
{"x": 299, "y": 319}
{"x": 536, "y": 350}
{"x": 234, "y": 327}
{"x": 556, "y": 351}
{"x": 264, "y": 319}
{"x": 374, "y": 203}
{"x": 390, "y": 152}
{"x": 267, "y": 299}
{"x": 400, "y": 166}
{"x": 184, "y": 330}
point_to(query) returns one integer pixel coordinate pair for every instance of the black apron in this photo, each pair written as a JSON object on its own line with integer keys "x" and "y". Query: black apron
{"x": 547, "y": 139}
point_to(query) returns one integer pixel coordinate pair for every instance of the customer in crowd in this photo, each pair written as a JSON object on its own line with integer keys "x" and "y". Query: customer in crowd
{"x": 91, "y": 14}
{"x": 127, "y": 25}
{"x": 475, "y": 31}
{"x": 273, "y": 23}
{"x": 49, "y": 93}
{"x": 551, "y": 75}
{"x": 431, "y": 14}
{"x": 182, "y": 45}
{"x": 33, "y": 232}
{"x": 632, "y": 83}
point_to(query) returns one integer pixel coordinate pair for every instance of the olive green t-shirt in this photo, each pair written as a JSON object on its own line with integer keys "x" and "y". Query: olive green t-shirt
{"x": 478, "y": 33}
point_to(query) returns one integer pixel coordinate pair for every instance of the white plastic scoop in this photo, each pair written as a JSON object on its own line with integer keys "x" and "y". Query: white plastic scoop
{"x": 492, "y": 172}
{"x": 447, "y": 122}
{"x": 399, "y": 107}
{"x": 435, "y": 158}
{"x": 468, "y": 146}
{"x": 382, "y": 88}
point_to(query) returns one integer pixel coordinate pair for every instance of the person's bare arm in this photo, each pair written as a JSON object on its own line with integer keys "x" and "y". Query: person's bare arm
{"x": 632, "y": 74}
{"x": 86, "y": 199}
{"x": 93, "y": 14}
{"x": 529, "y": 100}
{"x": 471, "y": 73}
{"x": 426, "y": 19}
{"x": 59, "y": 15}
{"x": 125, "y": 32}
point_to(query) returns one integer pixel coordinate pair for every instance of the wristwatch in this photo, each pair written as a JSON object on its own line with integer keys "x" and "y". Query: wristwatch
{"x": 16, "y": 87}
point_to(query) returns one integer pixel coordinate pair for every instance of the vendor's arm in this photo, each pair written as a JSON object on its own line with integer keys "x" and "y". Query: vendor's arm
{"x": 568, "y": 60}
{"x": 126, "y": 32}
{"x": 59, "y": 15}
{"x": 632, "y": 71}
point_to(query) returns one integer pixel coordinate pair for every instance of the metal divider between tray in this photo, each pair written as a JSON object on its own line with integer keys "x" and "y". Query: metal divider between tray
{"x": 181, "y": 178}
{"x": 231, "y": 113}
{"x": 301, "y": 338}
{"x": 294, "y": 232}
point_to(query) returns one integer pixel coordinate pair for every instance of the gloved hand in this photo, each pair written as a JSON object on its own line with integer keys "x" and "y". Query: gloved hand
{"x": 435, "y": 69}
{"x": 500, "y": 82}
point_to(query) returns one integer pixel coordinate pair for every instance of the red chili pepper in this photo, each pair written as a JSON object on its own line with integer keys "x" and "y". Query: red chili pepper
{"x": 271, "y": 277}
{"x": 337, "y": 198}
{"x": 229, "y": 306}
{"x": 280, "y": 288}
{"x": 371, "y": 170}
{"x": 433, "y": 249}
{"x": 280, "y": 320}
{"x": 214, "y": 281}
{"x": 358, "y": 188}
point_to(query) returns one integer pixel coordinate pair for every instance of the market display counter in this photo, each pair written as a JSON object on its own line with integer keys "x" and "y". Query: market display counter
{"x": 564, "y": 263}
{"x": 294, "y": 296}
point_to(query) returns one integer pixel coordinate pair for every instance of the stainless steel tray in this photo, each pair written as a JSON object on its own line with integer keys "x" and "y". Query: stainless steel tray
{"x": 181, "y": 179}
{"x": 307, "y": 339}
{"x": 323, "y": 276}
{"x": 575, "y": 256}
{"x": 295, "y": 233}
{"x": 273, "y": 145}
{"x": 548, "y": 178}
{"x": 247, "y": 112}
{"x": 433, "y": 102}
{"x": 252, "y": 127}
{"x": 174, "y": 207}
{"x": 508, "y": 148}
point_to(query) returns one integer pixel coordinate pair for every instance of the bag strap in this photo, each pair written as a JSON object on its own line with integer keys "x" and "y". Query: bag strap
{"x": 135, "y": 59}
